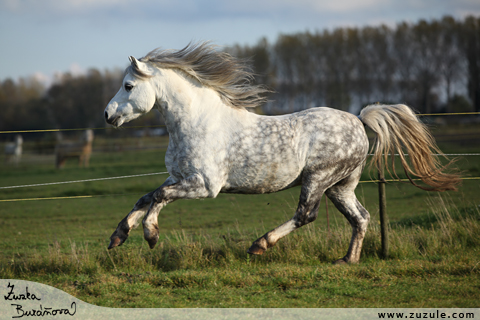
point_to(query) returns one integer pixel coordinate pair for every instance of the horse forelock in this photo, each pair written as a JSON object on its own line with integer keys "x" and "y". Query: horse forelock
{"x": 228, "y": 76}
{"x": 136, "y": 72}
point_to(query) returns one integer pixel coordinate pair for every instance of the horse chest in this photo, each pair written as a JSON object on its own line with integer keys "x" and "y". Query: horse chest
{"x": 190, "y": 156}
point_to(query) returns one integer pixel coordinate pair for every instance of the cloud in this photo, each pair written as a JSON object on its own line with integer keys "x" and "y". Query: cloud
{"x": 56, "y": 6}
{"x": 195, "y": 12}
{"x": 172, "y": 9}
{"x": 42, "y": 78}
{"x": 77, "y": 70}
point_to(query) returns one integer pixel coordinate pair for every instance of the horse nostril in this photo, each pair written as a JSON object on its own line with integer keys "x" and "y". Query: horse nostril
{"x": 106, "y": 116}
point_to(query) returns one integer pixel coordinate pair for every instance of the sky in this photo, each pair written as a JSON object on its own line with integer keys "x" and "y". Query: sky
{"x": 43, "y": 38}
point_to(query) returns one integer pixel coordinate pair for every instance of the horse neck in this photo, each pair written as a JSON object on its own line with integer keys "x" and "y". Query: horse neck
{"x": 191, "y": 106}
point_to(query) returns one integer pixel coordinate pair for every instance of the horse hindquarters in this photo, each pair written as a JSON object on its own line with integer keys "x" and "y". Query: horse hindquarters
{"x": 335, "y": 148}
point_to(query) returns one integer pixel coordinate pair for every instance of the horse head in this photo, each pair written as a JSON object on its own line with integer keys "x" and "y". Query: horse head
{"x": 136, "y": 97}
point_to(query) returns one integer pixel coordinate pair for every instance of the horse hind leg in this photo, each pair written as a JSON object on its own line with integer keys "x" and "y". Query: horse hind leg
{"x": 307, "y": 212}
{"x": 343, "y": 196}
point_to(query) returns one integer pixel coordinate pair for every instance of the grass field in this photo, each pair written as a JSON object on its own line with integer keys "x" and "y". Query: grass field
{"x": 201, "y": 260}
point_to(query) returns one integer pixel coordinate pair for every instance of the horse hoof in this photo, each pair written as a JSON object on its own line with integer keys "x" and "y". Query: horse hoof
{"x": 340, "y": 262}
{"x": 151, "y": 235}
{"x": 256, "y": 250}
{"x": 115, "y": 241}
{"x": 152, "y": 242}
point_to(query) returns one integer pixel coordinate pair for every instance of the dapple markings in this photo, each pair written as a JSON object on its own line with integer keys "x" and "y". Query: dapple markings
{"x": 217, "y": 146}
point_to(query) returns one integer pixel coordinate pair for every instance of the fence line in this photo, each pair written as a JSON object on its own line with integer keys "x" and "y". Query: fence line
{"x": 71, "y": 197}
{"x": 80, "y": 129}
{"x": 156, "y": 173}
{"x": 87, "y": 180}
{"x": 123, "y": 194}
{"x": 448, "y": 114}
{"x": 407, "y": 180}
{"x": 440, "y": 154}
{"x": 159, "y": 126}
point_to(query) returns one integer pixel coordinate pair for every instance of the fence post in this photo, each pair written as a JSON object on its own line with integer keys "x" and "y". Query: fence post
{"x": 383, "y": 211}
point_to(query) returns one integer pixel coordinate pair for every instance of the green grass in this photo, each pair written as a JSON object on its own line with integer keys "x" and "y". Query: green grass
{"x": 428, "y": 267}
{"x": 201, "y": 260}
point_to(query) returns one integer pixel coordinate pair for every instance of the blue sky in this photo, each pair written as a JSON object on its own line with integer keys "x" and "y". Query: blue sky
{"x": 50, "y": 36}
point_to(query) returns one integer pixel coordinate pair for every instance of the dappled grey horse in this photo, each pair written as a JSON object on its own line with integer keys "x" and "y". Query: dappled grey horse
{"x": 216, "y": 145}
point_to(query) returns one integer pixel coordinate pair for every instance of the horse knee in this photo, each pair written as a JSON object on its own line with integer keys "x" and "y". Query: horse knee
{"x": 159, "y": 195}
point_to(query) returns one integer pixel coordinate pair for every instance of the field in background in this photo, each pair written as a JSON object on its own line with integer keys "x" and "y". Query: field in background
{"x": 201, "y": 260}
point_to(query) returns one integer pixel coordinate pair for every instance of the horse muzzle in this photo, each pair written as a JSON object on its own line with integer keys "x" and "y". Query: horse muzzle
{"x": 111, "y": 120}
{"x": 115, "y": 121}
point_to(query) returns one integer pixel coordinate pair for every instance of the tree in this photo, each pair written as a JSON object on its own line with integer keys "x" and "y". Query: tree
{"x": 471, "y": 46}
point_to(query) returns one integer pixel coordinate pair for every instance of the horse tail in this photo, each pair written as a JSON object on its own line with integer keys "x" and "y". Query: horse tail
{"x": 397, "y": 127}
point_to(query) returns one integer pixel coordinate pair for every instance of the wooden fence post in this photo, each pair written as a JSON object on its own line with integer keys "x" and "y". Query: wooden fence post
{"x": 383, "y": 211}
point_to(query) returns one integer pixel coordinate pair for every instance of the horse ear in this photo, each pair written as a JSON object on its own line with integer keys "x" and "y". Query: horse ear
{"x": 133, "y": 61}
{"x": 139, "y": 65}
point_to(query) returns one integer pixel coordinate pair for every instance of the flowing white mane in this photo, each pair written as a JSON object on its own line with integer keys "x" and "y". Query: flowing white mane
{"x": 227, "y": 75}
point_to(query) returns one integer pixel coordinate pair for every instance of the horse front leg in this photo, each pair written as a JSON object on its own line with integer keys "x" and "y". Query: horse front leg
{"x": 192, "y": 187}
{"x": 131, "y": 220}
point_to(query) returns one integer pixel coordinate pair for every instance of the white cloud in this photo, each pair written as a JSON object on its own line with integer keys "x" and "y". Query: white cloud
{"x": 77, "y": 70}
{"x": 57, "y": 6}
{"x": 279, "y": 12}
{"x": 45, "y": 80}
{"x": 331, "y": 6}
{"x": 207, "y": 8}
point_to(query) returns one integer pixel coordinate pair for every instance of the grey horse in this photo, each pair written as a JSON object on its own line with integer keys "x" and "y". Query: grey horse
{"x": 217, "y": 146}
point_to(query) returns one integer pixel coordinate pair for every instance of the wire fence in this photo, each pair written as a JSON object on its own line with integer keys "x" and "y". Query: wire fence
{"x": 162, "y": 126}
{"x": 80, "y": 129}
{"x": 128, "y": 194}
{"x": 161, "y": 173}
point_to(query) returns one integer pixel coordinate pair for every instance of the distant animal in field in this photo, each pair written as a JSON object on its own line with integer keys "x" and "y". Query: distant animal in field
{"x": 81, "y": 149}
{"x": 217, "y": 146}
{"x": 13, "y": 150}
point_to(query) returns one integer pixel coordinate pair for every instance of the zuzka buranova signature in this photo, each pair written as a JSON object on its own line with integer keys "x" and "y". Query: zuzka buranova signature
{"x": 40, "y": 311}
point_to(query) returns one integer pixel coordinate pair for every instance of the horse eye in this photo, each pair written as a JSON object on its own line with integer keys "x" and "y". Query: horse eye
{"x": 128, "y": 87}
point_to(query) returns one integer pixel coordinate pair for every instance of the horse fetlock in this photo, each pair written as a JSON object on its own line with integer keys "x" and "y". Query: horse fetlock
{"x": 349, "y": 259}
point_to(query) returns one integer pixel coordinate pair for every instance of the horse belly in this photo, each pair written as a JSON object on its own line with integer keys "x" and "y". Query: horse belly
{"x": 271, "y": 167}
{"x": 262, "y": 179}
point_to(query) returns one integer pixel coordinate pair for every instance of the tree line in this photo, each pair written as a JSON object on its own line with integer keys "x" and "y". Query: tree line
{"x": 433, "y": 66}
